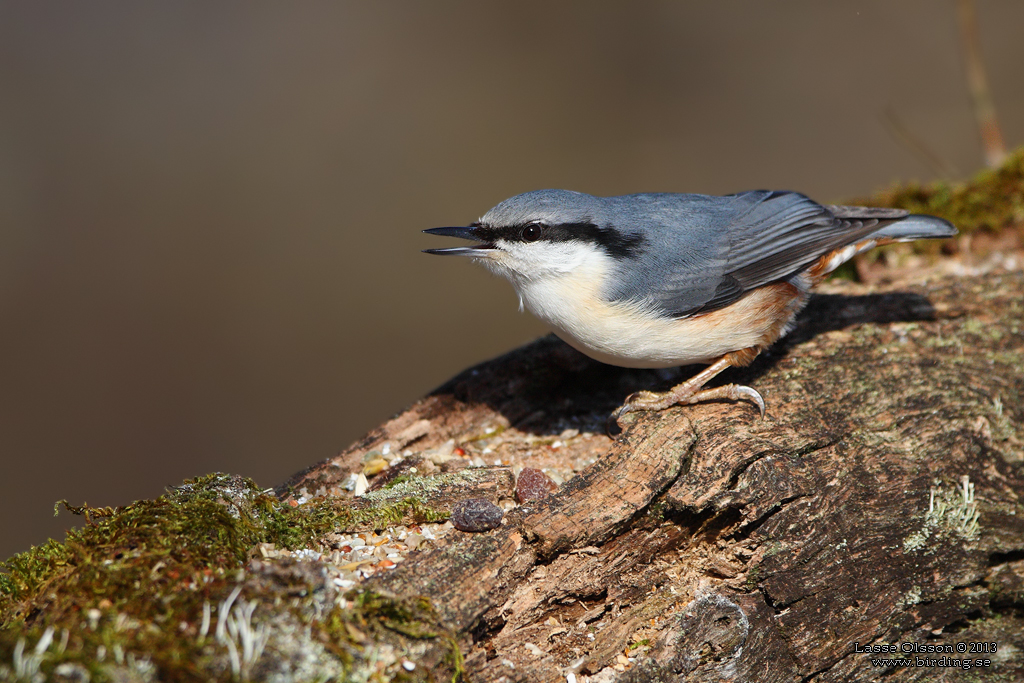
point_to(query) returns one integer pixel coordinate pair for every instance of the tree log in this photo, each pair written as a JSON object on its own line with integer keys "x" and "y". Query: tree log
{"x": 878, "y": 503}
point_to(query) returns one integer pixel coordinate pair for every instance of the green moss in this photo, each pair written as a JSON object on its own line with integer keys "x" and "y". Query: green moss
{"x": 398, "y": 480}
{"x": 488, "y": 433}
{"x": 152, "y": 562}
{"x": 408, "y": 508}
{"x": 26, "y": 572}
{"x": 415, "y": 488}
{"x": 133, "y": 577}
{"x": 371, "y": 615}
{"x": 212, "y": 521}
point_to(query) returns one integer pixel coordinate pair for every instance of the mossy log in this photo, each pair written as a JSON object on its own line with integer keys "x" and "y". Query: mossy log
{"x": 879, "y": 502}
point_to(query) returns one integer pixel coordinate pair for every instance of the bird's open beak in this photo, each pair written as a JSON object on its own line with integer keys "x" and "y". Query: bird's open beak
{"x": 468, "y": 233}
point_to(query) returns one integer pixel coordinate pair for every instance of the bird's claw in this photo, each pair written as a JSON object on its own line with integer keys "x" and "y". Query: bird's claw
{"x": 646, "y": 400}
{"x": 750, "y": 394}
{"x": 612, "y": 423}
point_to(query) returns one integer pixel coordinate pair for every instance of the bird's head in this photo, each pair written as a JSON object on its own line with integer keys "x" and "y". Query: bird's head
{"x": 542, "y": 234}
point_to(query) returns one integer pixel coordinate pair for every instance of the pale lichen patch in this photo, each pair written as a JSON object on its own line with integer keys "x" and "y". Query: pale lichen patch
{"x": 952, "y": 510}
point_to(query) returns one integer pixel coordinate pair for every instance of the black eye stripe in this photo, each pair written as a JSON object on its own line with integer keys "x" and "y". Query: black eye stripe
{"x": 617, "y": 244}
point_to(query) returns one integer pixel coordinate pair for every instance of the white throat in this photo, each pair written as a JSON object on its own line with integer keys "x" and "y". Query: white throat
{"x": 563, "y": 290}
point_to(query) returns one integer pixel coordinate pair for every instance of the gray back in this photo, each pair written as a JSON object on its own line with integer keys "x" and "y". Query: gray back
{"x": 694, "y": 253}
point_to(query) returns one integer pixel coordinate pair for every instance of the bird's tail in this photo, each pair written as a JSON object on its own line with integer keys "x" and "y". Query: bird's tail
{"x": 895, "y": 225}
{"x": 915, "y": 227}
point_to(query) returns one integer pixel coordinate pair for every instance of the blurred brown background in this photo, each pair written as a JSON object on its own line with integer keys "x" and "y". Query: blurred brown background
{"x": 210, "y": 213}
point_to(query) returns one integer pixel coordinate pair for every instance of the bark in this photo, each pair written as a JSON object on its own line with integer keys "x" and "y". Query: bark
{"x": 879, "y": 502}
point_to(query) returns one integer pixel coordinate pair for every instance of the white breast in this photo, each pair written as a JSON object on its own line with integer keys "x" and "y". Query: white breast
{"x": 631, "y": 335}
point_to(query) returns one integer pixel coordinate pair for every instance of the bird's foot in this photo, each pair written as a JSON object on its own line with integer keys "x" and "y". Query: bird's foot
{"x": 686, "y": 394}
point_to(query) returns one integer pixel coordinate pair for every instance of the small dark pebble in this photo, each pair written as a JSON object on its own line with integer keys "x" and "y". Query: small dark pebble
{"x": 533, "y": 485}
{"x": 476, "y": 514}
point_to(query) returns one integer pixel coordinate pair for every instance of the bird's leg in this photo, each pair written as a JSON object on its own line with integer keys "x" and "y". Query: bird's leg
{"x": 691, "y": 391}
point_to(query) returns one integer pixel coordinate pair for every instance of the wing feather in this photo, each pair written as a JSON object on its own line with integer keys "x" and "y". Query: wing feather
{"x": 769, "y": 237}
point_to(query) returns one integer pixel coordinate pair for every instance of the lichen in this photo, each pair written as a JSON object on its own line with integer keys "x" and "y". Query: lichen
{"x": 953, "y": 512}
{"x": 415, "y": 488}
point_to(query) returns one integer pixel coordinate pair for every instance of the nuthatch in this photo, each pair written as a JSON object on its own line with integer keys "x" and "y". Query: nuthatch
{"x": 661, "y": 280}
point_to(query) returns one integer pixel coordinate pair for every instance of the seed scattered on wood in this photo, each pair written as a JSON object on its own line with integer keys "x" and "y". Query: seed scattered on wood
{"x": 476, "y": 514}
{"x": 375, "y": 466}
{"x": 533, "y": 484}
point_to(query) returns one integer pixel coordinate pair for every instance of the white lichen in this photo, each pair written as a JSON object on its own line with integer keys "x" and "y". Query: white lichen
{"x": 236, "y": 632}
{"x": 953, "y": 510}
{"x": 26, "y": 666}
{"x": 912, "y": 597}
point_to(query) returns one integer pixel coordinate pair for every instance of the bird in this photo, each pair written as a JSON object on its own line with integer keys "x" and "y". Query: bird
{"x": 658, "y": 280}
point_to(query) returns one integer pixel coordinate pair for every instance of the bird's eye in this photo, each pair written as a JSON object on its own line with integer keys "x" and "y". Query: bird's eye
{"x": 532, "y": 232}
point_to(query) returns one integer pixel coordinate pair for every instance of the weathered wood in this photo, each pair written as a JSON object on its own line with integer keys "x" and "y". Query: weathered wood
{"x": 881, "y": 501}
{"x": 593, "y": 506}
{"x": 846, "y": 517}
{"x": 589, "y": 508}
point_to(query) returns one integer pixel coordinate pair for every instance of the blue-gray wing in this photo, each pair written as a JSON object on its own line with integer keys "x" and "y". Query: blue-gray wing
{"x": 757, "y": 238}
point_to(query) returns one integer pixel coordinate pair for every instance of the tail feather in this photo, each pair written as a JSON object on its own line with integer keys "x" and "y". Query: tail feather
{"x": 915, "y": 227}
{"x": 897, "y": 224}
{"x": 865, "y": 212}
